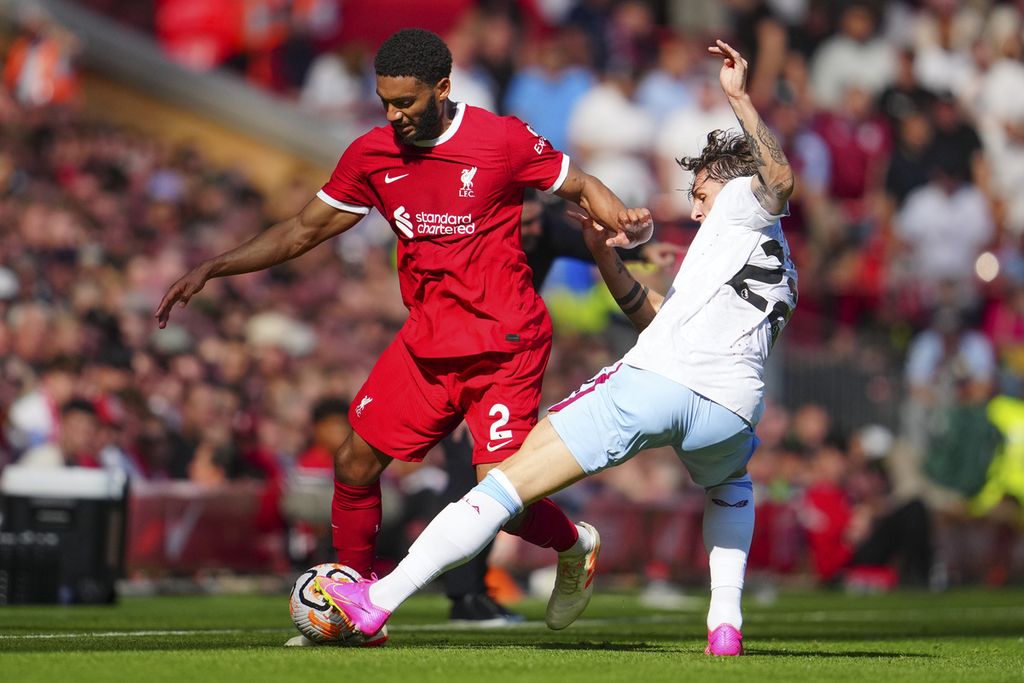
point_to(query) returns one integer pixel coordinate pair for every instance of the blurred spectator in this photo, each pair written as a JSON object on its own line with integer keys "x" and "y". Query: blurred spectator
{"x": 948, "y": 439}
{"x": 77, "y": 445}
{"x": 856, "y": 57}
{"x": 309, "y": 485}
{"x": 943, "y": 226}
{"x": 904, "y": 96}
{"x": 592, "y": 19}
{"x": 811, "y": 161}
{"x": 611, "y": 137}
{"x": 684, "y": 133}
{"x": 632, "y": 38}
{"x": 39, "y": 68}
{"x": 944, "y": 36}
{"x": 857, "y": 532}
{"x": 826, "y": 514}
{"x": 469, "y": 84}
{"x": 330, "y": 427}
{"x": 545, "y": 94}
{"x": 955, "y": 146}
{"x": 335, "y": 84}
{"x": 498, "y": 36}
{"x": 999, "y": 111}
{"x": 910, "y": 162}
{"x": 1001, "y": 499}
{"x": 1004, "y": 326}
{"x": 34, "y": 419}
{"x": 668, "y": 86}
{"x": 858, "y": 142}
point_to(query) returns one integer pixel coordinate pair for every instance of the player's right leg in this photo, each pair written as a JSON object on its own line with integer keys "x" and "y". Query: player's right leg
{"x": 542, "y": 466}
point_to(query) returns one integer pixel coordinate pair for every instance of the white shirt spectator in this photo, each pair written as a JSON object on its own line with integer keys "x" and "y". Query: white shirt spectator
{"x": 469, "y": 88}
{"x": 611, "y": 137}
{"x": 606, "y": 121}
{"x": 684, "y": 133}
{"x": 330, "y": 85}
{"x": 945, "y": 231}
{"x": 1000, "y": 101}
{"x": 32, "y": 421}
{"x": 841, "y": 61}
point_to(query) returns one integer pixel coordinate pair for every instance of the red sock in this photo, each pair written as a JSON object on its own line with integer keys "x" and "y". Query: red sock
{"x": 545, "y": 525}
{"x": 355, "y": 521}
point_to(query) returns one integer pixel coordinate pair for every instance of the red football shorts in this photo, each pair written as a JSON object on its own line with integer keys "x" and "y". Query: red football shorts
{"x": 407, "y": 404}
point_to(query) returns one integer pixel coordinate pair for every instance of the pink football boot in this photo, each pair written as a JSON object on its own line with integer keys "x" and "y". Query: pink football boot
{"x": 352, "y": 600}
{"x": 724, "y": 641}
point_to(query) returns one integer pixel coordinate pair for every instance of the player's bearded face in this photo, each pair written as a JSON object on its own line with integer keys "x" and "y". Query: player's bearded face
{"x": 412, "y": 108}
{"x": 428, "y": 126}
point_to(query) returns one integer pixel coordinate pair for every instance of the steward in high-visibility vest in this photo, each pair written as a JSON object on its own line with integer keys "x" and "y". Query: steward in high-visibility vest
{"x": 1006, "y": 473}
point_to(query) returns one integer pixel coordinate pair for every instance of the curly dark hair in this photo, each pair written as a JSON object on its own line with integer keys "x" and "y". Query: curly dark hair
{"x": 725, "y": 156}
{"x": 414, "y": 52}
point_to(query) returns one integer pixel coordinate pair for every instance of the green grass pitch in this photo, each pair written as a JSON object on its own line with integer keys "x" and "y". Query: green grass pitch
{"x": 957, "y": 636}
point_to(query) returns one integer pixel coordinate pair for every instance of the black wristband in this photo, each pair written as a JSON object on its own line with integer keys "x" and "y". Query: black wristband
{"x": 625, "y": 299}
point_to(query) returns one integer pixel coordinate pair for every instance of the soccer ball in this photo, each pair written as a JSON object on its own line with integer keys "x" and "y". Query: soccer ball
{"x": 311, "y": 613}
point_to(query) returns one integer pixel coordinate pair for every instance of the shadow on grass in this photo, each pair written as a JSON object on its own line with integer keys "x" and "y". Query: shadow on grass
{"x": 653, "y": 646}
{"x": 837, "y": 653}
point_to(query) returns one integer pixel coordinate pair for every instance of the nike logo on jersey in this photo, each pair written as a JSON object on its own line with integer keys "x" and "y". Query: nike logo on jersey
{"x": 726, "y": 504}
{"x": 388, "y": 179}
{"x": 491, "y": 447}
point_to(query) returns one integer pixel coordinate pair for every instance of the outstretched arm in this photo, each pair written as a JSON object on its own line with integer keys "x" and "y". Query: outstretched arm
{"x": 774, "y": 181}
{"x": 283, "y": 241}
{"x": 632, "y": 226}
{"x": 637, "y": 301}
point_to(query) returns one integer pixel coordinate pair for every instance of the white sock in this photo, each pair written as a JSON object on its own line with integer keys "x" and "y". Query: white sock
{"x": 728, "y": 528}
{"x": 584, "y": 543}
{"x": 458, "y": 533}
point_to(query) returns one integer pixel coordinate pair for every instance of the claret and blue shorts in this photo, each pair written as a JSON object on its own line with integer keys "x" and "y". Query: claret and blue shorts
{"x": 624, "y": 410}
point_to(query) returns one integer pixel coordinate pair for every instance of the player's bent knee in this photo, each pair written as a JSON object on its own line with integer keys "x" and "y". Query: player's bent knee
{"x": 356, "y": 463}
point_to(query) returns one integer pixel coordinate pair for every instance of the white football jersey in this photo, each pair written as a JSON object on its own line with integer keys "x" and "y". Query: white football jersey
{"x": 733, "y": 294}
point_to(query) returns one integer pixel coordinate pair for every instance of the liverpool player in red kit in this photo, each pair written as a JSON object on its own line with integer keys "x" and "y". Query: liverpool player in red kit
{"x": 450, "y": 180}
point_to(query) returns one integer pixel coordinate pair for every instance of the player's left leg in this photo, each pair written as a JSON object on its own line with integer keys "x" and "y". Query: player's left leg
{"x": 715, "y": 450}
{"x": 728, "y": 528}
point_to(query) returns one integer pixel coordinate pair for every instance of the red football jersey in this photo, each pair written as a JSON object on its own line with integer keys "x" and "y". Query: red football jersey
{"x": 455, "y": 203}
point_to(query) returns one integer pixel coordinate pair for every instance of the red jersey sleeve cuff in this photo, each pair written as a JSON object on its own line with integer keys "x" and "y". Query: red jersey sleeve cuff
{"x": 351, "y": 208}
{"x": 562, "y": 175}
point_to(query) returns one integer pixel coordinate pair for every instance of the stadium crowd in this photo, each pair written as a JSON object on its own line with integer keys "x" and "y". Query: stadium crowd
{"x": 904, "y": 122}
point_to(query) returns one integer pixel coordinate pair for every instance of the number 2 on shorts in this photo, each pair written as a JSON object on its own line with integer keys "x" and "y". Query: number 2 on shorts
{"x": 499, "y": 410}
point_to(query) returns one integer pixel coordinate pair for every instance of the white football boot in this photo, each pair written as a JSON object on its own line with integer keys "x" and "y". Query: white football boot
{"x": 574, "y": 584}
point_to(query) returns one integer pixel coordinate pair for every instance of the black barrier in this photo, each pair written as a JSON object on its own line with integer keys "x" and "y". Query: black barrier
{"x": 62, "y": 536}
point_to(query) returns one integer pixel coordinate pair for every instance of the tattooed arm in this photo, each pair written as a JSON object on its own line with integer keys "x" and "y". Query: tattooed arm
{"x": 774, "y": 181}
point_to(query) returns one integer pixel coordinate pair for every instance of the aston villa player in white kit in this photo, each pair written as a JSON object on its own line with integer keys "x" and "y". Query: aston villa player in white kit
{"x": 694, "y": 381}
{"x": 450, "y": 180}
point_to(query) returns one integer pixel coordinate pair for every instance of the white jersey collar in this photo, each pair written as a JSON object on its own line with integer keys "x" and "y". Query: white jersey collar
{"x": 460, "y": 110}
